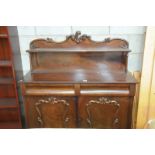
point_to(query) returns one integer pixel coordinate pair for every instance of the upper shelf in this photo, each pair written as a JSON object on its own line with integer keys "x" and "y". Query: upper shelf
{"x": 79, "y": 43}
{"x": 5, "y": 63}
{"x": 8, "y": 103}
{"x": 3, "y": 36}
{"x": 3, "y": 30}
{"x": 70, "y": 50}
{"x": 6, "y": 80}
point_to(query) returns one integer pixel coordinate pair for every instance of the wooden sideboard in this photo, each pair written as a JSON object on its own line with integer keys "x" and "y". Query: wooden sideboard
{"x": 78, "y": 83}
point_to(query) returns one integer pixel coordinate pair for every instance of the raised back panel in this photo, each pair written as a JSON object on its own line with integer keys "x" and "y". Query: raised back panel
{"x": 76, "y": 56}
{"x": 79, "y": 40}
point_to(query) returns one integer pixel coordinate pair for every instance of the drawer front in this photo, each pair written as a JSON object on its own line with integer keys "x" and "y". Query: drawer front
{"x": 48, "y": 90}
{"x": 104, "y": 112}
{"x": 8, "y": 115}
{"x": 50, "y": 112}
{"x": 105, "y": 90}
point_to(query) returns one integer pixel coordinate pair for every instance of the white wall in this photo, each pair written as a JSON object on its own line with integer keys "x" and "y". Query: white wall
{"x": 135, "y": 35}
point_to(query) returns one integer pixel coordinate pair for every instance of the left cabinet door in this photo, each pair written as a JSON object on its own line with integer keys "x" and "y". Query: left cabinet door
{"x": 50, "y": 112}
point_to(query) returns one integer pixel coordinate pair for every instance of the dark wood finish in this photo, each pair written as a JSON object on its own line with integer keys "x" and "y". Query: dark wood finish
{"x": 103, "y": 112}
{"x": 77, "y": 55}
{"x": 10, "y": 125}
{"x": 5, "y": 63}
{"x": 7, "y": 102}
{"x": 9, "y": 106}
{"x": 6, "y": 81}
{"x": 78, "y": 81}
{"x": 8, "y": 115}
{"x": 54, "y": 112}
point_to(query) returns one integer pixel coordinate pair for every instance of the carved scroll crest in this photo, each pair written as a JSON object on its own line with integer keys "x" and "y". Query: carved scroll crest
{"x": 103, "y": 101}
{"x": 77, "y": 37}
{"x": 51, "y": 100}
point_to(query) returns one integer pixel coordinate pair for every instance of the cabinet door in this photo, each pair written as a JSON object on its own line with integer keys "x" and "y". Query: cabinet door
{"x": 104, "y": 112}
{"x": 50, "y": 112}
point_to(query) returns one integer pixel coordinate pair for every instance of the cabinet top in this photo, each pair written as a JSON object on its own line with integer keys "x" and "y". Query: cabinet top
{"x": 85, "y": 77}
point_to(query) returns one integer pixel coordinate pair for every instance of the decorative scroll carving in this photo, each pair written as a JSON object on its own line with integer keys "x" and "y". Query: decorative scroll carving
{"x": 78, "y": 38}
{"x": 51, "y": 100}
{"x": 103, "y": 100}
{"x": 124, "y": 45}
{"x": 107, "y": 40}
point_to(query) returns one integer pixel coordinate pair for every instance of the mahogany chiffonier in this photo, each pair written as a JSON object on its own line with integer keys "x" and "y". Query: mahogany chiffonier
{"x": 78, "y": 83}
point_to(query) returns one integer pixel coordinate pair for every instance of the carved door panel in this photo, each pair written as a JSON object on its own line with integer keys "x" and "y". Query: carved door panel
{"x": 103, "y": 112}
{"x": 50, "y": 112}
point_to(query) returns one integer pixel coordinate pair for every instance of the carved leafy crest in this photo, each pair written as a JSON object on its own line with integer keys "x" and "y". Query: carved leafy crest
{"x": 78, "y": 38}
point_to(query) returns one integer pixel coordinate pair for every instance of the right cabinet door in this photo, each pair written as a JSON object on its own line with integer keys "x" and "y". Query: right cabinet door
{"x": 104, "y": 112}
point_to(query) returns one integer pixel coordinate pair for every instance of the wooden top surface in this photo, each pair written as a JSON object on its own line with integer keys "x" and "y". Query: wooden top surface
{"x": 81, "y": 76}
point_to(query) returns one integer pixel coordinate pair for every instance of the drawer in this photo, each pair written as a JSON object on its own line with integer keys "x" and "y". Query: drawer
{"x": 47, "y": 89}
{"x": 105, "y": 90}
{"x": 8, "y": 115}
{"x": 79, "y": 89}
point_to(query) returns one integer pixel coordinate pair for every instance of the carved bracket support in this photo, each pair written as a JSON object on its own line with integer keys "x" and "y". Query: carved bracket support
{"x": 51, "y": 100}
{"x": 103, "y": 101}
